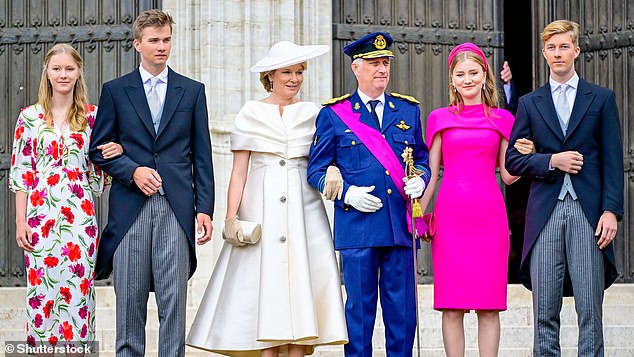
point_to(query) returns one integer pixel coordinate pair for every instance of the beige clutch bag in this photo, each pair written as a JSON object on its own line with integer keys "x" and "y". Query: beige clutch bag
{"x": 251, "y": 232}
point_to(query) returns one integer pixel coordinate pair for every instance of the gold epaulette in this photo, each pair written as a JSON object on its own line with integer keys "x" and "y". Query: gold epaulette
{"x": 335, "y": 100}
{"x": 407, "y": 98}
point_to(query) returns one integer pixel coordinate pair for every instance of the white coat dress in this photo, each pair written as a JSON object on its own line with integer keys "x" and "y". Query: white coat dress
{"x": 286, "y": 288}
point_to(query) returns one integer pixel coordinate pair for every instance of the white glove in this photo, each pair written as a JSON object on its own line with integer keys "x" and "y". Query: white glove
{"x": 414, "y": 187}
{"x": 334, "y": 183}
{"x": 232, "y": 232}
{"x": 361, "y": 200}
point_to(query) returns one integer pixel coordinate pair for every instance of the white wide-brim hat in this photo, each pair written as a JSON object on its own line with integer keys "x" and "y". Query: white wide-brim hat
{"x": 285, "y": 53}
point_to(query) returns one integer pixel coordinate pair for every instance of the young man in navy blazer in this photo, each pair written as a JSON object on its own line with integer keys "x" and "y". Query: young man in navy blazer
{"x": 576, "y": 195}
{"x": 161, "y": 183}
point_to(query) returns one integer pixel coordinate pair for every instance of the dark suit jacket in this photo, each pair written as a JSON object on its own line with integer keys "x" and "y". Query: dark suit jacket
{"x": 594, "y": 131}
{"x": 180, "y": 152}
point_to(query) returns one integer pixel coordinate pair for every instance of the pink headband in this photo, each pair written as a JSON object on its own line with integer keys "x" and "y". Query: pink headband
{"x": 467, "y": 47}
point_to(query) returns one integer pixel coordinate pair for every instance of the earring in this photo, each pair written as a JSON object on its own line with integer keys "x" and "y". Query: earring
{"x": 484, "y": 86}
{"x": 271, "y": 83}
{"x": 455, "y": 90}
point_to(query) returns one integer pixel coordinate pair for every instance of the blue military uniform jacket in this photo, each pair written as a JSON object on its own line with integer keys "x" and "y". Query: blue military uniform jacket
{"x": 334, "y": 143}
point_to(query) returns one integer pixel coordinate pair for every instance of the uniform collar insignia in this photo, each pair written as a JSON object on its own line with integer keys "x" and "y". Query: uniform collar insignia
{"x": 357, "y": 106}
{"x": 403, "y": 126}
{"x": 390, "y": 104}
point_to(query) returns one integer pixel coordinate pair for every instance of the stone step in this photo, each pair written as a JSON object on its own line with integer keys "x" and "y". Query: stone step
{"x": 512, "y": 338}
{"x": 516, "y": 335}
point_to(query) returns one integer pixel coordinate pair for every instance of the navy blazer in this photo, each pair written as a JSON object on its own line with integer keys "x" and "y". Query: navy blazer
{"x": 180, "y": 151}
{"x": 594, "y": 131}
{"x": 335, "y": 143}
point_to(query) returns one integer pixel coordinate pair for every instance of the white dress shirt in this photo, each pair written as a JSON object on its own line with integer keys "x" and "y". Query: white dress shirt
{"x": 379, "y": 107}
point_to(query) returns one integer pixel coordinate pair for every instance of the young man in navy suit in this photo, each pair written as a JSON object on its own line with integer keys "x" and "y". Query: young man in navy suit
{"x": 576, "y": 194}
{"x": 161, "y": 183}
{"x": 364, "y": 135}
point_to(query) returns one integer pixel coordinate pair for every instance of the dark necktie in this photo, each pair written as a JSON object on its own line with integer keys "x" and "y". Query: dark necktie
{"x": 373, "y": 104}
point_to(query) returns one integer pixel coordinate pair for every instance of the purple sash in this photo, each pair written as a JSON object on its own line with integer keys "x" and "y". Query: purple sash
{"x": 383, "y": 152}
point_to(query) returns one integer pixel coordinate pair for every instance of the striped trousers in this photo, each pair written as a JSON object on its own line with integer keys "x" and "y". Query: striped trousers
{"x": 567, "y": 245}
{"x": 153, "y": 253}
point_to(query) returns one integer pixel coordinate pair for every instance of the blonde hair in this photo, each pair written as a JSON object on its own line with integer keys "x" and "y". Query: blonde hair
{"x": 151, "y": 18}
{"x": 266, "y": 81}
{"x": 489, "y": 94}
{"x": 561, "y": 26}
{"x": 76, "y": 115}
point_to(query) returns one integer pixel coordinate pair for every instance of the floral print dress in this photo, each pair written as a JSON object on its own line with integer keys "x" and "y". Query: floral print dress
{"x": 54, "y": 170}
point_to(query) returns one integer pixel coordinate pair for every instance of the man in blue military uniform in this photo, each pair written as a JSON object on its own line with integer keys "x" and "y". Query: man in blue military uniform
{"x": 364, "y": 135}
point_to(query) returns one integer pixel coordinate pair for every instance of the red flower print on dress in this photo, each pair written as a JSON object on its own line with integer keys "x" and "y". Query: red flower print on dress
{"x": 68, "y": 214}
{"x": 53, "y": 180}
{"x": 36, "y": 301}
{"x": 53, "y": 150}
{"x": 72, "y": 251}
{"x": 48, "y": 308}
{"x": 67, "y": 330}
{"x": 35, "y": 276}
{"x": 30, "y": 340}
{"x": 74, "y": 174}
{"x": 91, "y": 249}
{"x": 79, "y": 139}
{"x": 37, "y": 198}
{"x": 30, "y": 180}
{"x": 34, "y": 239}
{"x": 66, "y": 295}
{"x": 27, "y": 261}
{"x": 91, "y": 231}
{"x": 35, "y": 221}
{"x": 79, "y": 270}
{"x": 38, "y": 320}
{"x": 18, "y": 132}
{"x": 88, "y": 208}
{"x": 12, "y": 159}
{"x": 51, "y": 261}
{"x": 76, "y": 190}
{"x": 84, "y": 331}
{"x": 53, "y": 340}
{"x": 84, "y": 286}
{"x": 27, "y": 150}
{"x": 46, "y": 229}
{"x": 83, "y": 312}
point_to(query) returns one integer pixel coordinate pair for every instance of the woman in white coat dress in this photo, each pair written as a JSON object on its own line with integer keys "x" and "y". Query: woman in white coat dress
{"x": 282, "y": 293}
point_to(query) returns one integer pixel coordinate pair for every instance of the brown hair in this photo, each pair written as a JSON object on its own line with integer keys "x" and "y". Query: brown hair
{"x": 266, "y": 82}
{"x": 151, "y": 18}
{"x": 76, "y": 115}
{"x": 489, "y": 92}
{"x": 561, "y": 26}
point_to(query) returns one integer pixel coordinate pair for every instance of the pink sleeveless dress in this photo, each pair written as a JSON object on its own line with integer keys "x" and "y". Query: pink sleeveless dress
{"x": 471, "y": 247}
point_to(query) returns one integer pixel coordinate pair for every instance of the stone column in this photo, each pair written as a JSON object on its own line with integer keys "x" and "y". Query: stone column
{"x": 216, "y": 42}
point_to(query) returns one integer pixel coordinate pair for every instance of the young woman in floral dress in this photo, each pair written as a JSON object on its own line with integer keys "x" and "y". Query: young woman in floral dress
{"x": 55, "y": 217}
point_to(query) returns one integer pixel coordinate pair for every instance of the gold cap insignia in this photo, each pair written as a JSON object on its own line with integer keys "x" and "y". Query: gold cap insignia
{"x": 379, "y": 42}
{"x": 357, "y": 106}
{"x": 403, "y": 126}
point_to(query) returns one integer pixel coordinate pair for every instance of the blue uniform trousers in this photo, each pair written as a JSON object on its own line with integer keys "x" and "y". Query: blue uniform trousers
{"x": 390, "y": 272}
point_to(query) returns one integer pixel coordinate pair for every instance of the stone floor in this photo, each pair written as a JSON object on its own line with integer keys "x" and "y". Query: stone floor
{"x": 515, "y": 341}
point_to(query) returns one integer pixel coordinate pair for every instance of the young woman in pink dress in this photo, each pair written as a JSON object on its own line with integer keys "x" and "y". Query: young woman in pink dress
{"x": 471, "y": 246}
